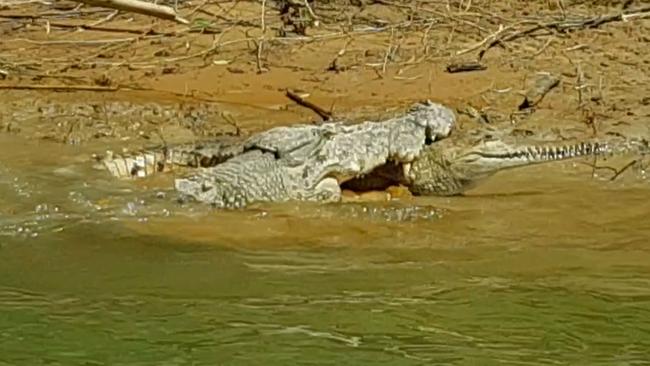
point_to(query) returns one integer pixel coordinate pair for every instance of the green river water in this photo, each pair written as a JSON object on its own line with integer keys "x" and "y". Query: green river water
{"x": 522, "y": 271}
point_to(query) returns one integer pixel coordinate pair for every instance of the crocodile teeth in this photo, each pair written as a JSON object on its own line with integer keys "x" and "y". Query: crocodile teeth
{"x": 406, "y": 167}
{"x": 571, "y": 151}
{"x": 531, "y": 153}
{"x": 546, "y": 152}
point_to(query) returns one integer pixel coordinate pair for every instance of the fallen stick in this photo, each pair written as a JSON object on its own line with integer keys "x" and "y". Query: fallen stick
{"x": 79, "y": 12}
{"x": 19, "y": 16}
{"x": 148, "y": 32}
{"x": 91, "y": 42}
{"x": 325, "y": 115}
{"x": 465, "y": 67}
{"x": 140, "y": 7}
{"x": 623, "y": 169}
{"x": 60, "y": 87}
{"x": 617, "y": 172}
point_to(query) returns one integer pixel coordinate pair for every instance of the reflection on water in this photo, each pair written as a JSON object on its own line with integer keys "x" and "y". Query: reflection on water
{"x": 524, "y": 271}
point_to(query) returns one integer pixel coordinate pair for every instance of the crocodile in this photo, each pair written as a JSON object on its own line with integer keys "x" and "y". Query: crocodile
{"x": 303, "y": 162}
{"x": 367, "y": 144}
{"x": 457, "y": 164}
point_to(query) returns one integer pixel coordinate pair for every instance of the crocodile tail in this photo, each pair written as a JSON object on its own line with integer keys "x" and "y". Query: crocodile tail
{"x": 161, "y": 159}
{"x": 145, "y": 163}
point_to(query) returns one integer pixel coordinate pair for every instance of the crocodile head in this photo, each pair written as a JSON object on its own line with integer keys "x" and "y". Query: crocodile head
{"x": 454, "y": 165}
{"x": 436, "y": 119}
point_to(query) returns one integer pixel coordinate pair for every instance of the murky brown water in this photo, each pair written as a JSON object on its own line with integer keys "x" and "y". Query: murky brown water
{"x": 539, "y": 266}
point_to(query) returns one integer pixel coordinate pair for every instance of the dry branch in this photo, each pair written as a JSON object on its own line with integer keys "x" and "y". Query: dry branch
{"x": 617, "y": 172}
{"x": 60, "y": 87}
{"x": 623, "y": 169}
{"x": 149, "y": 32}
{"x": 465, "y": 67}
{"x": 140, "y": 7}
{"x": 325, "y": 115}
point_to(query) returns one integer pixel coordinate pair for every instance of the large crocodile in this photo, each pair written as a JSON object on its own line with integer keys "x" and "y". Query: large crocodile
{"x": 301, "y": 162}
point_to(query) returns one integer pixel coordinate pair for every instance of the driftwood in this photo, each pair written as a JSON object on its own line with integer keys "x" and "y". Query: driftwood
{"x": 140, "y": 7}
{"x": 465, "y": 67}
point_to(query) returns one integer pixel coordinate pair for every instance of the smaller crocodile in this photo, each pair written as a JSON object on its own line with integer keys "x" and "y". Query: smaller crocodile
{"x": 460, "y": 162}
{"x": 451, "y": 168}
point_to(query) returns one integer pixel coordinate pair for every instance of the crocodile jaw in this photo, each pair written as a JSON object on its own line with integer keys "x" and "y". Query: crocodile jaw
{"x": 451, "y": 168}
{"x": 493, "y": 156}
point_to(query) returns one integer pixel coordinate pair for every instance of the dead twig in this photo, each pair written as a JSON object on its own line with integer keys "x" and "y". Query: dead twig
{"x": 149, "y": 32}
{"x": 388, "y": 53}
{"x": 491, "y": 38}
{"x": 108, "y": 18}
{"x": 465, "y": 67}
{"x": 61, "y": 87}
{"x": 260, "y": 42}
{"x": 617, "y": 172}
{"x": 590, "y": 120}
{"x": 325, "y": 115}
{"x": 231, "y": 121}
{"x": 20, "y": 16}
{"x": 140, "y": 7}
{"x": 91, "y": 42}
{"x": 334, "y": 66}
{"x": 544, "y": 47}
{"x": 580, "y": 85}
